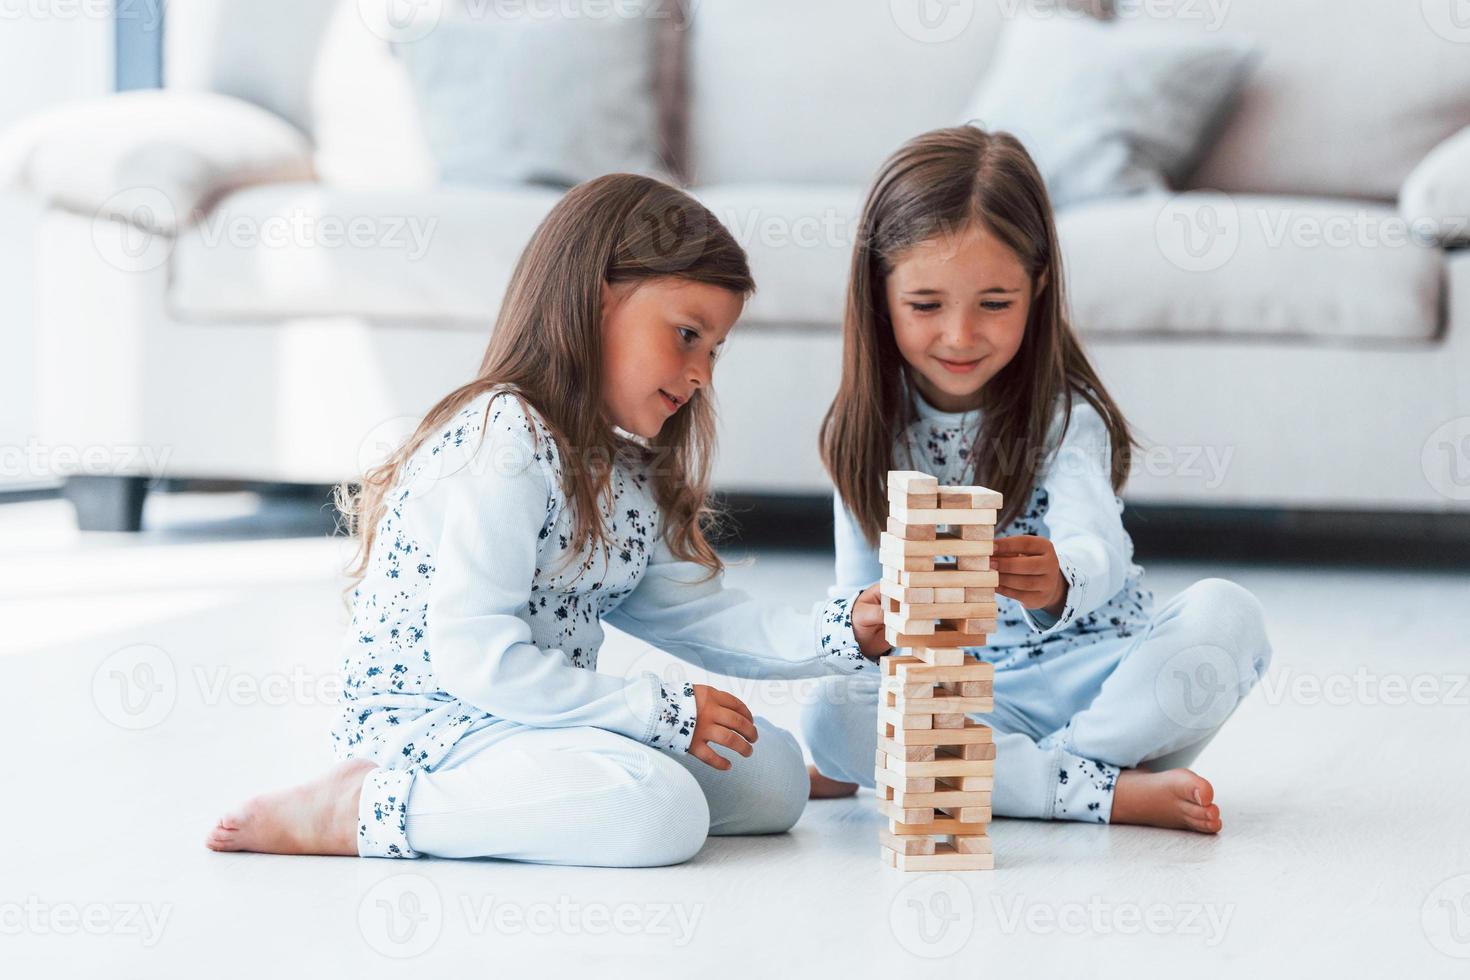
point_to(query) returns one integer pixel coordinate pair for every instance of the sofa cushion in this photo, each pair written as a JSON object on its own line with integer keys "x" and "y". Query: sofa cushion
{"x": 799, "y": 238}
{"x": 284, "y": 250}
{"x": 1348, "y": 97}
{"x": 1209, "y": 265}
{"x": 822, "y": 90}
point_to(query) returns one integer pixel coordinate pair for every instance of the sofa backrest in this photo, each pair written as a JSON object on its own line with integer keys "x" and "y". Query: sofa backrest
{"x": 822, "y": 90}
{"x": 1348, "y": 97}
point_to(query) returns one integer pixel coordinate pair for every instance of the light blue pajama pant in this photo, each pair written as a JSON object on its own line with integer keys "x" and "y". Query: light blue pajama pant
{"x": 588, "y": 796}
{"x": 1065, "y": 723}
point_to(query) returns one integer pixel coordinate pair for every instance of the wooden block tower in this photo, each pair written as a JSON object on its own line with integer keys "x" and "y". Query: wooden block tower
{"x": 936, "y": 767}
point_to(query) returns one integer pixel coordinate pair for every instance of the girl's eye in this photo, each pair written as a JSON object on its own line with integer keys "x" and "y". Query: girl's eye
{"x": 687, "y": 335}
{"x": 997, "y": 305}
{"x": 924, "y": 307}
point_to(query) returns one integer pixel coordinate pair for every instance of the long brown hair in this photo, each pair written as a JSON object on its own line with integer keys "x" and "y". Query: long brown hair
{"x": 940, "y": 183}
{"x": 547, "y": 348}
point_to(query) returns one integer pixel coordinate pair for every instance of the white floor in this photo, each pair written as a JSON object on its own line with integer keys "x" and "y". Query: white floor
{"x": 151, "y": 681}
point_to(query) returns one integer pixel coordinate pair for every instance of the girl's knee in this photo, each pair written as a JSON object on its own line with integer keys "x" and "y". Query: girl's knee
{"x": 1234, "y": 620}
{"x": 666, "y": 820}
{"x": 783, "y": 774}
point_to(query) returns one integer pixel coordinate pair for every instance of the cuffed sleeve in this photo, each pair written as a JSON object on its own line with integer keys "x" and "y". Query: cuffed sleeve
{"x": 857, "y": 560}
{"x": 495, "y": 500}
{"x": 678, "y": 608}
{"x": 1084, "y": 520}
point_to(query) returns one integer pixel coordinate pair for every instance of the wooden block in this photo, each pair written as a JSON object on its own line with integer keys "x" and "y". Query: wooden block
{"x": 915, "y": 816}
{"x": 912, "y": 481}
{"x": 944, "y": 858}
{"x": 945, "y": 595}
{"x": 951, "y": 721}
{"x": 977, "y": 595}
{"x": 971, "y": 734}
{"x": 977, "y": 532}
{"x": 911, "y": 532}
{"x": 907, "y": 627}
{"x": 962, "y": 689}
{"x": 949, "y": 799}
{"x": 909, "y": 689}
{"x": 935, "y": 824}
{"x": 947, "y": 767}
{"x": 967, "y": 783}
{"x": 891, "y": 662}
{"x": 973, "y": 497}
{"x": 941, "y": 657}
{"x": 907, "y": 593}
{"x": 941, "y": 707}
{"x": 936, "y": 515}
{"x": 963, "y": 843}
{"x": 880, "y": 759}
{"x": 889, "y": 858}
{"x": 891, "y": 574}
{"x": 945, "y": 575}
{"x": 902, "y": 721}
{"x": 969, "y": 814}
{"x": 978, "y": 627}
{"x": 941, "y": 546}
{"x": 973, "y": 751}
{"x": 972, "y": 563}
{"x": 902, "y": 784}
{"x": 937, "y": 640}
{"x": 912, "y": 501}
{"x": 947, "y": 610}
{"x": 902, "y": 755}
{"x": 912, "y": 670}
{"x": 907, "y": 843}
{"x": 906, "y": 563}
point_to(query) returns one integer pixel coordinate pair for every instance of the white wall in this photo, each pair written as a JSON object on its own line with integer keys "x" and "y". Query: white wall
{"x": 45, "y": 59}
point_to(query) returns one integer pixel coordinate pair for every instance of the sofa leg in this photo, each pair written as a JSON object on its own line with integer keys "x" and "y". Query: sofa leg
{"x": 107, "y": 503}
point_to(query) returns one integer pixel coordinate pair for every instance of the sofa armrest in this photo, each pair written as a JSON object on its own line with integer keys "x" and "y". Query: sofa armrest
{"x": 157, "y": 158}
{"x": 1435, "y": 197}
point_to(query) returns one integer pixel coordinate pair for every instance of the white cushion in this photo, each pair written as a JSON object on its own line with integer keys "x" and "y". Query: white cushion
{"x": 822, "y": 90}
{"x": 1348, "y": 97}
{"x": 799, "y": 238}
{"x": 1105, "y": 111}
{"x": 1210, "y": 265}
{"x": 1436, "y": 196}
{"x": 303, "y": 249}
{"x": 154, "y": 158}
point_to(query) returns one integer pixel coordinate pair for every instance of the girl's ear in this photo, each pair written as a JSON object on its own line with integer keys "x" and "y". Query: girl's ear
{"x": 1040, "y": 283}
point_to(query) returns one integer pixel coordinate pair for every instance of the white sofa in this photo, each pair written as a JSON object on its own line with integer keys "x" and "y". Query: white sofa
{"x": 1272, "y": 343}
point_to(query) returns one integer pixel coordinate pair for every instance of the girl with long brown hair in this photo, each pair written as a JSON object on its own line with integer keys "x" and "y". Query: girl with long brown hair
{"x": 959, "y": 361}
{"x": 564, "y": 486}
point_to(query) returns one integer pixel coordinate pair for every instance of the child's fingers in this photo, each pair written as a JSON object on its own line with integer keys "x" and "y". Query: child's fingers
{"x": 734, "y": 721}
{"x": 1021, "y": 565}
{"x": 727, "y": 700}
{"x": 709, "y": 756}
{"x": 729, "y": 738}
{"x": 1020, "y": 544}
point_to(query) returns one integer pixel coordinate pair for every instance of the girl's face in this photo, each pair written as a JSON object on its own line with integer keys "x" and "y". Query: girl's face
{"x": 659, "y": 342}
{"x": 959, "y": 306}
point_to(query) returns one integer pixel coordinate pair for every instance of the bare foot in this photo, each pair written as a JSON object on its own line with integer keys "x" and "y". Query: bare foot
{"x": 1177, "y": 798}
{"x": 827, "y": 789}
{"x": 318, "y": 817}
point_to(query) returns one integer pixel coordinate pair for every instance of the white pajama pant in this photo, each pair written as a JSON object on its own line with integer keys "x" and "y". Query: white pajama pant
{"x": 1065, "y": 723}
{"x": 582, "y": 796}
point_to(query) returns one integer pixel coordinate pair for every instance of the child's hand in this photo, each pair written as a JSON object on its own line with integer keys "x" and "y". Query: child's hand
{"x": 867, "y": 623}
{"x": 723, "y": 718}
{"x": 1030, "y": 573}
